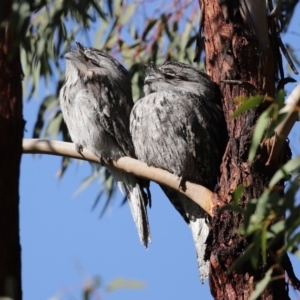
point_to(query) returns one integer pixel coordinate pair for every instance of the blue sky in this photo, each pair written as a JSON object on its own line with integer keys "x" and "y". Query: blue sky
{"x": 65, "y": 244}
{"x": 59, "y": 232}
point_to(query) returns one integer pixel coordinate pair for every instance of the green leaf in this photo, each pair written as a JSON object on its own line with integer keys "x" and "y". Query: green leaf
{"x": 53, "y": 127}
{"x": 63, "y": 166}
{"x": 48, "y": 103}
{"x": 293, "y": 243}
{"x": 261, "y": 285}
{"x": 187, "y": 33}
{"x": 238, "y": 193}
{"x": 278, "y": 227}
{"x": 282, "y": 173}
{"x": 280, "y": 98}
{"x": 260, "y": 128}
{"x": 255, "y": 259}
{"x": 248, "y": 253}
{"x": 263, "y": 239}
{"x": 108, "y": 184}
{"x": 149, "y": 26}
{"x": 127, "y": 14}
{"x": 121, "y": 283}
{"x": 86, "y": 182}
{"x": 165, "y": 21}
{"x": 250, "y": 210}
{"x": 248, "y": 104}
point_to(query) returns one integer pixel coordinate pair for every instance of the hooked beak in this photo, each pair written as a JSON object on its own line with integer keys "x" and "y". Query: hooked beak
{"x": 148, "y": 79}
{"x": 70, "y": 55}
{"x": 74, "y": 54}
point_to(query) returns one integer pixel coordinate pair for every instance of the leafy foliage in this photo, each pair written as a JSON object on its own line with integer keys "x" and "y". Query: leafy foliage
{"x": 264, "y": 219}
{"x": 266, "y": 123}
{"x": 248, "y": 103}
{"x": 94, "y": 288}
{"x": 139, "y": 34}
{"x": 265, "y": 224}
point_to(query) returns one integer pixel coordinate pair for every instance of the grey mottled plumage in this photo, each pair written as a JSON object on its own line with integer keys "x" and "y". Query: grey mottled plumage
{"x": 179, "y": 126}
{"x": 96, "y": 101}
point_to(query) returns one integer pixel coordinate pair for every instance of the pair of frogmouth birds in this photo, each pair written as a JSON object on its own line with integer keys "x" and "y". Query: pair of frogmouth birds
{"x": 178, "y": 126}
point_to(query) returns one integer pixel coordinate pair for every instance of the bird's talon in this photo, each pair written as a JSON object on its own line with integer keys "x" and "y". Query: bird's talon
{"x": 101, "y": 161}
{"x": 79, "y": 148}
{"x": 182, "y": 183}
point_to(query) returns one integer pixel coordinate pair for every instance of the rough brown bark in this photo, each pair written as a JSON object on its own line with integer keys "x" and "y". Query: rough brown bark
{"x": 11, "y": 133}
{"x": 231, "y": 53}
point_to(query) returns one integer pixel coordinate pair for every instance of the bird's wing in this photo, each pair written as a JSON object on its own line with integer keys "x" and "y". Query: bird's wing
{"x": 156, "y": 132}
{"x": 201, "y": 129}
{"x": 113, "y": 117}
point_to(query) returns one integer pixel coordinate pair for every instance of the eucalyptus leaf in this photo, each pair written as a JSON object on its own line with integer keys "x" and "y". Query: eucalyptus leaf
{"x": 247, "y": 104}
{"x": 127, "y": 14}
{"x": 261, "y": 285}
{"x": 282, "y": 173}
{"x": 248, "y": 253}
{"x": 258, "y": 133}
{"x": 121, "y": 283}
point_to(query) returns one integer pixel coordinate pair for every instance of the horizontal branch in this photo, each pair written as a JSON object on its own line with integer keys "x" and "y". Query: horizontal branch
{"x": 199, "y": 194}
{"x": 291, "y": 108}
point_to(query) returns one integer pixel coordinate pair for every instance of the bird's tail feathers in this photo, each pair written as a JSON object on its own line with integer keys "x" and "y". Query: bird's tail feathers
{"x": 200, "y": 230}
{"x": 129, "y": 185}
{"x": 195, "y": 218}
{"x": 200, "y": 233}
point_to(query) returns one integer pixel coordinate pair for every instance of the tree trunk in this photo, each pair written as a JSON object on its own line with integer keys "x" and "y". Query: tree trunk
{"x": 11, "y": 134}
{"x": 231, "y": 54}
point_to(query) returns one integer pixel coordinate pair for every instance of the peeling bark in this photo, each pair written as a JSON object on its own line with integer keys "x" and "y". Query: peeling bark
{"x": 11, "y": 133}
{"x": 231, "y": 54}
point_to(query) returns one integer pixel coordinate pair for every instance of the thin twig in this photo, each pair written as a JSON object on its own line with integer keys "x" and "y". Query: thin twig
{"x": 199, "y": 194}
{"x": 291, "y": 108}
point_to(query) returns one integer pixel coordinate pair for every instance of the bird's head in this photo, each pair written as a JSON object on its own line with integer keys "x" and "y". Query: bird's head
{"x": 93, "y": 64}
{"x": 173, "y": 76}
